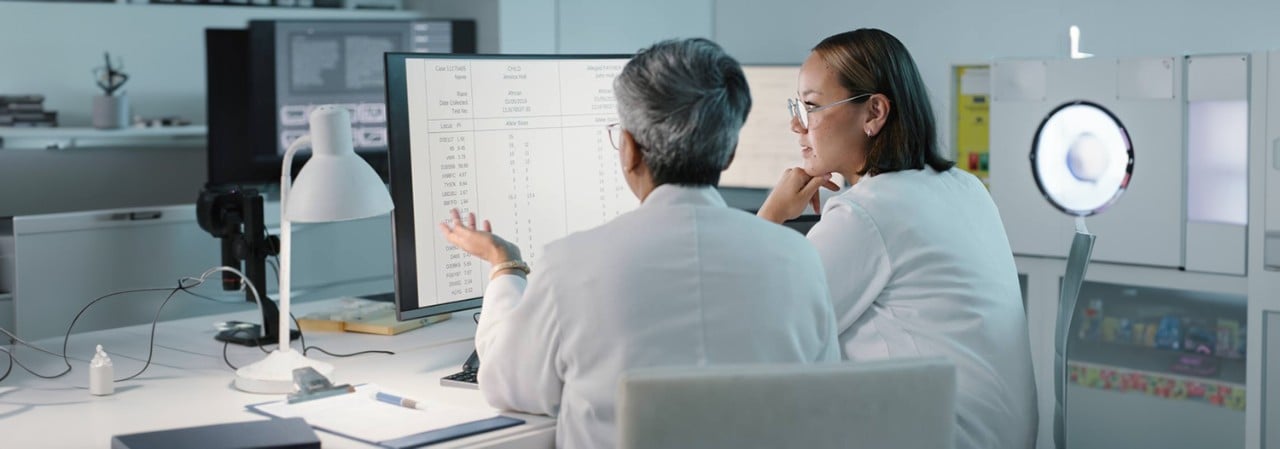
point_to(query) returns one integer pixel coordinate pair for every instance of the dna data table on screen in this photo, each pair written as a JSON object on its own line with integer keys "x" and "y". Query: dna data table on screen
{"x": 520, "y": 142}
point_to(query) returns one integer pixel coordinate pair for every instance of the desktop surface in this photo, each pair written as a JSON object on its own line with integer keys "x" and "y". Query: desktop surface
{"x": 188, "y": 383}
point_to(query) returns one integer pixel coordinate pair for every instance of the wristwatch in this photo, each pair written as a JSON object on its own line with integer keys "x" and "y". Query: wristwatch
{"x": 509, "y": 265}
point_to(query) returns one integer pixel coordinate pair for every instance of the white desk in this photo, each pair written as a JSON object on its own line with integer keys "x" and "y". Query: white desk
{"x": 188, "y": 384}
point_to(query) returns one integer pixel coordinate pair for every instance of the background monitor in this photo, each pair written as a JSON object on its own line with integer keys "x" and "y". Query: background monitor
{"x": 766, "y": 145}
{"x": 519, "y": 140}
{"x": 264, "y": 80}
{"x": 803, "y": 223}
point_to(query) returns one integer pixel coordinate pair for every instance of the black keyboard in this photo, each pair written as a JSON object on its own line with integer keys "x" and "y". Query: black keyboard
{"x": 464, "y": 379}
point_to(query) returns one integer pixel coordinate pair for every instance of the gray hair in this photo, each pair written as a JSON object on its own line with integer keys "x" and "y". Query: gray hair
{"x": 684, "y": 102}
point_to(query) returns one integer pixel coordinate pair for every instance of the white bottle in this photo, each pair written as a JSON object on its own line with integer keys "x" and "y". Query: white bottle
{"x": 101, "y": 374}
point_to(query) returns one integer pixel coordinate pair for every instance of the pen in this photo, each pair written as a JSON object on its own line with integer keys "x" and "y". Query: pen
{"x": 396, "y": 400}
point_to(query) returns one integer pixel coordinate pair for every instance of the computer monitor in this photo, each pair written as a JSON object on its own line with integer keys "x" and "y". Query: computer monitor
{"x": 519, "y": 140}
{"x": 766, "y": 145}
{"x": 264, "y": 80}
{"x": 803, "y": 223}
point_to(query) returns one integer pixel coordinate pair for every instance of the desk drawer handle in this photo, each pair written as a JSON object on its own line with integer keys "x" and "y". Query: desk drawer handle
{"x": 137, "y": 216}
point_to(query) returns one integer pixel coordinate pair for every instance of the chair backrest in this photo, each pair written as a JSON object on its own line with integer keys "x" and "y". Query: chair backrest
{"x": 896, "y": 403}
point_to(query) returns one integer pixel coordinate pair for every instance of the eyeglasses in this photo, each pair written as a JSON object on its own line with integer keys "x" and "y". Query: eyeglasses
{"x": 801, "y": 111}
{"x": 615, "y": 135}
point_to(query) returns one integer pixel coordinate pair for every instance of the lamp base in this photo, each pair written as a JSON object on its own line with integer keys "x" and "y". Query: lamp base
{"x": 248, "y": 336}
{"x": 274, "y": 374}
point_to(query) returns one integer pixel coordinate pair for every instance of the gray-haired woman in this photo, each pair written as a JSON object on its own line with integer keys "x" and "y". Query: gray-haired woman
{"x": 682, "y": 280}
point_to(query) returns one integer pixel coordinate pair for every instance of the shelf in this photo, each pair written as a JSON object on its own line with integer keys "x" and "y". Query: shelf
{"x": 1151, "y": 360}
{"x": 308, "y": 5}
{"x": 65, "y": 138}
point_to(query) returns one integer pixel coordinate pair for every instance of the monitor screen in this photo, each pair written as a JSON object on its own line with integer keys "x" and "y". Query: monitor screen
{"x": 282, "y": 69}
{"x": 518, "y": 140}
{"x": 766, "y": 145}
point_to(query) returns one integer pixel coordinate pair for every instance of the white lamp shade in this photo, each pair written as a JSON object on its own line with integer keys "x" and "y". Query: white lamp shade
{"x": 1082, "y": 158}
{"x": 335, "y": 185}
{"x": 337, "y": 188}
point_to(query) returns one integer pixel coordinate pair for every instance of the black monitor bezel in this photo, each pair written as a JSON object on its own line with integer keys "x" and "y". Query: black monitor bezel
{"x": 401, "y": 181}
{"x": 239, "y": 159}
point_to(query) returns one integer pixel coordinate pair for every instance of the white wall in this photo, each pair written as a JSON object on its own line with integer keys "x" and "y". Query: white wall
{"x": 502, "y": 26}
{"x": 940, "y": 33}
{"x": 527, "y": 26}
{"x": 624, "y": 26}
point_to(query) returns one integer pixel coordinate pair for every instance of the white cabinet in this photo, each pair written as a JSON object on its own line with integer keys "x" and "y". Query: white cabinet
{"x": 63, "y": 261}
{"x": 1187, "y": 119}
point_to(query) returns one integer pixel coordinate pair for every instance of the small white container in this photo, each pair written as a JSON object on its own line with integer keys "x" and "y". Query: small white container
{"x": 110, "y": 111}
{"x": 101, "y": 374}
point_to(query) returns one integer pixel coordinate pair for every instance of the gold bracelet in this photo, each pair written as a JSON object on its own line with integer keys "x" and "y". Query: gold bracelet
{"x": 509, "y": 265}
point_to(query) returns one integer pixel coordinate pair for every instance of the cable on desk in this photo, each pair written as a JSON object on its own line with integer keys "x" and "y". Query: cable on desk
{"x": 371, "y": 351}
{"x": 257, "y": 298}
{"x": 65, "y": 360}
{"x": 183, "y": 285}
{"x": 224, "y": 349}
{"x": 8, "y": 369}
{"x": 302, "y": 338}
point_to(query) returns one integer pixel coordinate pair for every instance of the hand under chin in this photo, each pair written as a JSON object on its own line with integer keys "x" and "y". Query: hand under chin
{"x": 812, "y": 169}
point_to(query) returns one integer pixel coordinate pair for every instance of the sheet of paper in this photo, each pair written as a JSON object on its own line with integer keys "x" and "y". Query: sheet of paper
{"x": 359, "y": 415}
{"x": 975, "y": 82}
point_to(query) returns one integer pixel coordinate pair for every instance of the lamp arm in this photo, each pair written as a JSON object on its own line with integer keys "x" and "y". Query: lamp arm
{"x": 286, "y": 238}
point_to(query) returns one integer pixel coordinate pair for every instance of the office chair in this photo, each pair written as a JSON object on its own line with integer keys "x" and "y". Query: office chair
{"x": 899, "y": 403}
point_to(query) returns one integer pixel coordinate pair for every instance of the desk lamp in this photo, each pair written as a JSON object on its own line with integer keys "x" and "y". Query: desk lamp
{"x": 335, "y": 185}
{"x": 1082, "y": 161}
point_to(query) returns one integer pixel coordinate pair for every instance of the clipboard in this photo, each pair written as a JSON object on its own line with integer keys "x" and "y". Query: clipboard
{"x": 360, "y": 417}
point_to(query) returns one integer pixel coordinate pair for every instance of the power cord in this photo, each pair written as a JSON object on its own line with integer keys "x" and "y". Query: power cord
{"x": 66, "y": 337}
{"x": 185, "y": 285}
{"x": 8, "y": 369}
{"x": 302, "y": 337}
{"x": 302, "y": 340}
{"x": 182, "y": 286}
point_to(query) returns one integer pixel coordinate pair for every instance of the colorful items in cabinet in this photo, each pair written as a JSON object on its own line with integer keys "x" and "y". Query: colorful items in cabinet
{"x": 1199, "y": 337}
{"x": 1232, "y": 398}
{"x": 1139, "y": 331}
{"x": 1195, "y": 364}
{"x": 1110, "y": 329}
{"x": 1231, "y": 339}
{"x": 1169, "y": 334}
{"x": 1241, "y": 341}
{"x": 1149, "y": 335}
{"x": 1157, "y": 385}
{"x": 1124, "y": 332}
{"x": 1092, "y": 324}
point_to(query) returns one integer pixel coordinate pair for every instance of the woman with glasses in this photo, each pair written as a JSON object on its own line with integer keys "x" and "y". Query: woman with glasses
{"x": 915, "y": 253}
{"x": 683, "y": 280}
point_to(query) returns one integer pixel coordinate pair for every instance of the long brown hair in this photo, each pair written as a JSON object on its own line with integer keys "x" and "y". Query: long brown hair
{"x": 869, "y": 60}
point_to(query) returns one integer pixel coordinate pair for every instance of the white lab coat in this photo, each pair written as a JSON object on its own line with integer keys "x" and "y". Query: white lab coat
{"x": 919, "y": 265}
{"x": 682, "y": 280}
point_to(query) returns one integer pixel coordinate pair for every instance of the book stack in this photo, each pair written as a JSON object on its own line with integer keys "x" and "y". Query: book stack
{"x": 26, "y": 111}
